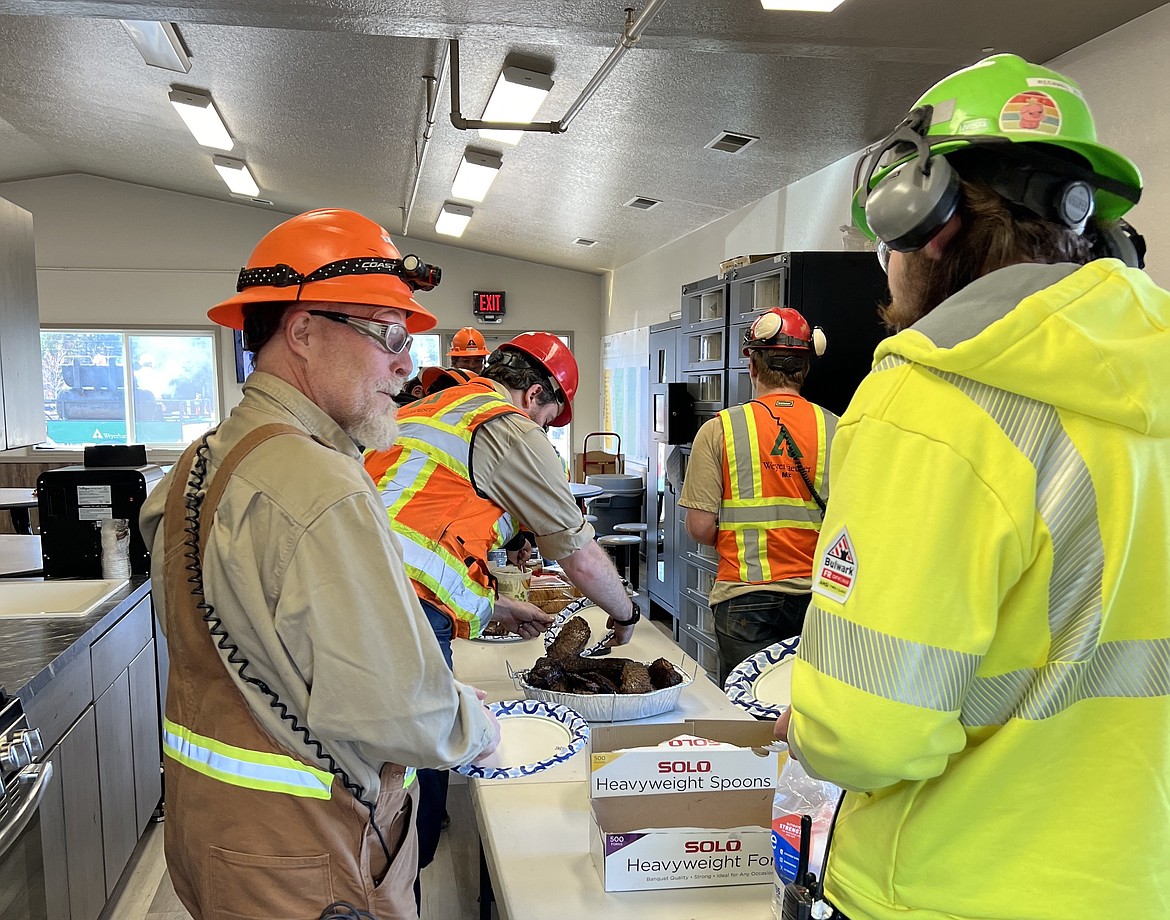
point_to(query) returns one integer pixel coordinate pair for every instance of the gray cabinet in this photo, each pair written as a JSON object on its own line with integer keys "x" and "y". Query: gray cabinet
{"x": 77, "y": 758}
{"x": 101, "y": 717}
{"x": 22, "y": 417}
{"x": 116, "y": 777}
{"x": 145, "y": 738}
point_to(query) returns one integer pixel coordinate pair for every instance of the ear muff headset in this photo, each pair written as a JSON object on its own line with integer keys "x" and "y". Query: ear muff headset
{"x": 913, "y": 202}
{"x": 1119, "y": 240}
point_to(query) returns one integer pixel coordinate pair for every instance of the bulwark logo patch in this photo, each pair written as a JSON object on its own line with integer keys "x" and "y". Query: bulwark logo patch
{"x": 836, "y": 570}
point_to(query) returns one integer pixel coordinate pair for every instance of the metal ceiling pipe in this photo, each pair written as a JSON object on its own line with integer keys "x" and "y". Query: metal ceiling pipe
{"x": 630, "y": 35}
{"x": 434, "y": 87}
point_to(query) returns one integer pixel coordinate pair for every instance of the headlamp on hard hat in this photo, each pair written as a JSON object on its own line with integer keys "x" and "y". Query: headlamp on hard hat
{"x": 411, "y": 269}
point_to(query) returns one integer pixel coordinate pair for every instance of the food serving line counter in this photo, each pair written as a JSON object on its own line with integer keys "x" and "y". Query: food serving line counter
{"x": 535, "y": 830}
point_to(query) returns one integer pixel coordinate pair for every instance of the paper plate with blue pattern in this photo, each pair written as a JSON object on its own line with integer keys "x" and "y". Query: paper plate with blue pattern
{"x": 762, "y": 685}
{"x": 534, "y": 736}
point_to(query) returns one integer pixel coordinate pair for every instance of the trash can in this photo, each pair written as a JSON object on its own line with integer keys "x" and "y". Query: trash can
{"x": 620, "y": 503}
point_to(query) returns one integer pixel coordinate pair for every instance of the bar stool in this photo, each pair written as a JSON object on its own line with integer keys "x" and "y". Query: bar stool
{"x": 621, "y": 547}
{"x": 638, "y": 530}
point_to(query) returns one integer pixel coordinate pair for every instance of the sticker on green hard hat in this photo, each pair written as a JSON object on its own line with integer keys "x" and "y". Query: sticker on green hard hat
{"x": 1005, "y": 98}
{"x": 1031, "y": 111}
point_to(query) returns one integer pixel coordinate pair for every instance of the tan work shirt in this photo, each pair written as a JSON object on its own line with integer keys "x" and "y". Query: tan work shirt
{"x": 307, "y": 576}
{"x": 703, "y": 490}
{"x": 514, "y": 464}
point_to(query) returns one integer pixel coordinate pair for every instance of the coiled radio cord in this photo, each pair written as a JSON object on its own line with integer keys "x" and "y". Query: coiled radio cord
{"x": 193, "y": 500}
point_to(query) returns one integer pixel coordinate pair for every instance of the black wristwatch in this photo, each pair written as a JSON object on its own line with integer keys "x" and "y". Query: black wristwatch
{"x": 635, "y": 616}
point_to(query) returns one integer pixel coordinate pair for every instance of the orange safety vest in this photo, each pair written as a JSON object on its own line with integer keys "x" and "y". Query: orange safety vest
{"x": 446, "y": 526}
{"x": 768, "y": 521}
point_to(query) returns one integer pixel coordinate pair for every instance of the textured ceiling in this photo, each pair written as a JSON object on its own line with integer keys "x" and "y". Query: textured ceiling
{"x": 327, "y": 102}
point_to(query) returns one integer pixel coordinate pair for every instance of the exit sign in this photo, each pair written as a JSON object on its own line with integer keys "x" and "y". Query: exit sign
{"x": 488, "y": 303}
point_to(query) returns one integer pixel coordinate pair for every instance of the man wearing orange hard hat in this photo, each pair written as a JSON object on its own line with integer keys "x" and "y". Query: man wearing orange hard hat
{"x": 472, "y": 466}
{"x": 305, "y": 685}
{"x": 468, "y": 350}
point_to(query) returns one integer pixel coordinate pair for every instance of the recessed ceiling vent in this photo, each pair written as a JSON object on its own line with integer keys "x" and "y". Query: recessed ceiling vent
{"x": 730, "y": 142}
{"x": 263, "y": 201}
{"x": 642, "y": 204}
{"x": 581, "y": 241}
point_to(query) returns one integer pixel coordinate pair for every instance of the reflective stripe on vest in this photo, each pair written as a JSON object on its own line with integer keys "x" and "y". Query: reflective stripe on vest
{"x": 1081, "y": 664}
{"x": 251, "y": 769}
{"x": 241, "y": 767}
{"x": 755, "y": 506}
{"x": 427, "y": 484}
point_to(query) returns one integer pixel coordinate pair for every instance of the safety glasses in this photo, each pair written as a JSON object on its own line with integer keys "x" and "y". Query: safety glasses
{"x": 391, "y": 336}
{"x": 883, "y": 255}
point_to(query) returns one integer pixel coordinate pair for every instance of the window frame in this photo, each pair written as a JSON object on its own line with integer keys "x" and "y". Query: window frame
{"x": 159, "y": 449}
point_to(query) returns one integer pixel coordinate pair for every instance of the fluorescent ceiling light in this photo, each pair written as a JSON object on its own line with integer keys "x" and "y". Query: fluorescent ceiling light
{"x": 516, "y": 98}
{"x": 476, "y": 173}
{"x": 808, "y": 6}
{"x": 158, "y": 43}
{"x": 202, "y": 119}
{"x": 235, "y": 174}
{"x": 453, "y": 219}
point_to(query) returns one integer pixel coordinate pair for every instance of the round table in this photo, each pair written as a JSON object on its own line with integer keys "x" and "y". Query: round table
{"x": 17, "y": 502}
{"x": 584, "y": 490}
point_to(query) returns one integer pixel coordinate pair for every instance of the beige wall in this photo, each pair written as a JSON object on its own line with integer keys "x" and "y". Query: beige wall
{"x": 113, "y": 253}
{"x": 1125, "y": 79}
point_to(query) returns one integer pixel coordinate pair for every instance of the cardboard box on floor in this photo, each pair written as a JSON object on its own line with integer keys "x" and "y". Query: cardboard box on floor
{"x": 683, "y": 816}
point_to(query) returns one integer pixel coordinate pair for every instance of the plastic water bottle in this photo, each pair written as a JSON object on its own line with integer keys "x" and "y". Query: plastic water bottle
{"x": 115, "y": 548}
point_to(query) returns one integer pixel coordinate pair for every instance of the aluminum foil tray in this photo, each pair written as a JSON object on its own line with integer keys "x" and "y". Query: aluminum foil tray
{"x": 611, "y": 707}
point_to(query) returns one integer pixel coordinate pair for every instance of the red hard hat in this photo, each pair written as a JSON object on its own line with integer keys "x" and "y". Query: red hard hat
{"x": 354, "y": 258}
{"x": 783, "y": 329}
{"x": 468, "y": 343}
{"x": 554, "y": 356}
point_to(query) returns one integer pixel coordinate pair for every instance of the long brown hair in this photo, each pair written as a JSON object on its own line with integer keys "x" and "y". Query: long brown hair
{"x": 993, "y": 234}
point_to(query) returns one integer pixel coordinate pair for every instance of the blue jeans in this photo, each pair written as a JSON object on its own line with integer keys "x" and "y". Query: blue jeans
{"x": 746, "y": 624}
{"x": 432, "y": 784}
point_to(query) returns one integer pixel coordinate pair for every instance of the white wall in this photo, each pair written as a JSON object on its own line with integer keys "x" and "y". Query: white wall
{"x": 1124, "y": 77}
{"x": 114, "y": 253}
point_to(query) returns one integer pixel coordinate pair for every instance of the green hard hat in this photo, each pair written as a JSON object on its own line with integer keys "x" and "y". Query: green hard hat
{"x": 1005, "y": 97}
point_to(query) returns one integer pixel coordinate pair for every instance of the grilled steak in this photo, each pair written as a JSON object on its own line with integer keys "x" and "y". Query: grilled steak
{"x": 571, "y": 640}
{"x": 663, "y": 674}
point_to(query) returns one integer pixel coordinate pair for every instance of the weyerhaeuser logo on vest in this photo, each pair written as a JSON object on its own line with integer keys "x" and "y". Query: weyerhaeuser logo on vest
{"x": 836, "y": 571}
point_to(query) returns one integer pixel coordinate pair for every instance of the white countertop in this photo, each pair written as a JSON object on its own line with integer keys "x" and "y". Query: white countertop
{"x": 535, "y": 830}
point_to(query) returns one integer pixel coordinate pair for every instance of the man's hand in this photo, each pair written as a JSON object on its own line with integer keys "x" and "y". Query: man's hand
{"x": 621, "y": 634}
{"x": 495, "y": 742}
{"x": 780, "y": 729}
{"x": 519, "y": 617}
{"x": 520, "y": 557}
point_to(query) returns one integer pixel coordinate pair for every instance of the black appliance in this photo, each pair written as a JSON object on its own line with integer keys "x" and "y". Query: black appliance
{"x": 74, "y": 500}
{"x": 23, "y": 890}
{"x": 838, "y": 291}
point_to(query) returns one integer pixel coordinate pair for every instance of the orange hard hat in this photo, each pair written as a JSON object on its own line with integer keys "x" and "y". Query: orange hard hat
{"x": 335, "y": 256}
{"x": 468, "y": 343}
{"x": 553, "y": 355}
{"x": 434, "y": 379}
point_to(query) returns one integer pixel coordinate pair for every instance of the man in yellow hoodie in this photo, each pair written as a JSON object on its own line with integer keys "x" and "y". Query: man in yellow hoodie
{"x": 985, "y": 664}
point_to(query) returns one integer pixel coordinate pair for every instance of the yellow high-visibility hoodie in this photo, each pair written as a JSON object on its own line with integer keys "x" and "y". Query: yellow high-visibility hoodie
{"x": 986, "y": 661}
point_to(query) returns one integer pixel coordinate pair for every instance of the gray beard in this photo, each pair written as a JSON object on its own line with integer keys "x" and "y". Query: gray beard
{"x": 375, "y": 433}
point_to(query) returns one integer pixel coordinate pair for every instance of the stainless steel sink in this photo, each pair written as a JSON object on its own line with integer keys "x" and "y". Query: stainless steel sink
{"x": 34, "y": 597}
